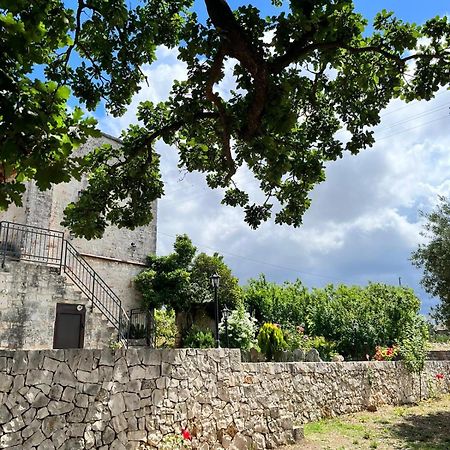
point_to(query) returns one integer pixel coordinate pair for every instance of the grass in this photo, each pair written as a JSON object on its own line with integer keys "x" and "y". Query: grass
{"x": 422, "y": 427}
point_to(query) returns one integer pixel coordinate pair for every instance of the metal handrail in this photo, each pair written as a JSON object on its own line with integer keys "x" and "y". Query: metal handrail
{"x": 49, "y": 247}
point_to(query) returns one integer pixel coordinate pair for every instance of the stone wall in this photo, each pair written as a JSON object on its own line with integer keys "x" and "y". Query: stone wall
{"x": 86, "y": 399}
{"x": 29, "y": 294}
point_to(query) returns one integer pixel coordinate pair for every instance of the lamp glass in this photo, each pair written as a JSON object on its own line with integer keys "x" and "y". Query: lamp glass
{"x": 215, "y": 280}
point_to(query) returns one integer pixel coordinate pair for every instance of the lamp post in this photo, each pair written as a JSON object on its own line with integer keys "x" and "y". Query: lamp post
{"x": 215, "y": 280}
{"x": 225, "y": 314}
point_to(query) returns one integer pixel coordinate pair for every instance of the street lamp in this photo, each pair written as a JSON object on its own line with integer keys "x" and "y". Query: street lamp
{"x": 215, "y": 281}
{"x": 225, "y": 314}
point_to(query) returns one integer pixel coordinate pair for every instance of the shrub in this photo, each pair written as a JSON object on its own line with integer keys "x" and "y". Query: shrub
{"x": 271, "y": 340}
{"x": 165, "y": 328}
{"x": 386, "y": 353}
{"x": 355, "y": 318}
{"x": 198, "y": 338}
{"x": 413, "y": 345}
{"x": 241, "y": 330}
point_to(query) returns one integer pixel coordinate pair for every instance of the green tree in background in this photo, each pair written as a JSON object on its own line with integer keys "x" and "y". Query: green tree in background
{"x": 203, "y": 266}
{"x": 301, "y": 75}
{"x": 434, "y": 258}
{"x": 181, "y": 279}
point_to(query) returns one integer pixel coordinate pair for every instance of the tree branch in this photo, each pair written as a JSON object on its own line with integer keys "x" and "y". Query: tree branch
{"x": 237, "y": 44}
{"x": 214, "y": 75}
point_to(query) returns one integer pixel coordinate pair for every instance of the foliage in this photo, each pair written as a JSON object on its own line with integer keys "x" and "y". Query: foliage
{"x": 115, "y": 345}
{"x": 296, "y": 338}
{"x": 413, "y": 345}
{"x": 180, "y": 441}
{"x": 167, "y": 280}
{"x": 325, "y": 348}
{"x": 271, "y": 340}
{"x": 269, "y": 302}
{"x": 386, "y": 353}
{"x": 241, "y": 330}
{"x": 198, "y": 338}
{"x": 325, "y": 68}
{"x": 180, "y": 279}
{"x": 434, "y": 258}
{"x": 166, "y": 329}
{"x": 203, "y": 266}
{"x": 355, "y": 318}
{"x": 436, "y": 386}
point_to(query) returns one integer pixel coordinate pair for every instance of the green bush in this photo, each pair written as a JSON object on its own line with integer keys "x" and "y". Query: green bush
{"x": 198, "y": 338}
{"x": 271, "y": 341}
{"x": 356, "y": 319}
{"x": 165, "y": 328}
{"x": 241, "y": 330}
{"x": 413, "y": 345}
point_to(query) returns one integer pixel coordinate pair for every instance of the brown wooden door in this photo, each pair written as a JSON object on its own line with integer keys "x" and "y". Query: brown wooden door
{"x": 69, "y": 326}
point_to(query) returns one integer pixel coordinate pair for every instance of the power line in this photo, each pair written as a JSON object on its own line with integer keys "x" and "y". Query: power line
{"x": 407, "y": 120}
{"x": 412, "y": 128}
{"x": 408, "y": 105}
{"x": 276, "y": 266}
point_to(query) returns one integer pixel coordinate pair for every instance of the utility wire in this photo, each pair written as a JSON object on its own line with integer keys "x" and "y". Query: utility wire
{"x": 276, "y": 266}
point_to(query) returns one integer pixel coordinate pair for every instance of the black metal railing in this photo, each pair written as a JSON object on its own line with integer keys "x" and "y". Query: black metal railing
{"x": 49, "y": 247}
{"x": 142, "y": 326}
{"x": 31, "y": 244}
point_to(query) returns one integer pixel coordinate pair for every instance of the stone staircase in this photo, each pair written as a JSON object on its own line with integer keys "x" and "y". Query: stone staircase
{"x": 41, "y": 247}
{"x": 28, "y": 297}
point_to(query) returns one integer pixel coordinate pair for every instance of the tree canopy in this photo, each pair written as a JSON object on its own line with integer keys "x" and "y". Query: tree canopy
{"x": 434, "y": 258}
{"x": 301, "y": 75}
{"x": 181, "y": 279}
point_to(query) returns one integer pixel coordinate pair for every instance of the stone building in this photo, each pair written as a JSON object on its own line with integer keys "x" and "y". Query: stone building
{"x": 39, "y": 301}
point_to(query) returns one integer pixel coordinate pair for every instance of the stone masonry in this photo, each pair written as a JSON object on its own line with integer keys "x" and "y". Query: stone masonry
{"x": 100, "y": 399}
{"x": 29, "y": 294}
{"x": 118, "y": 257}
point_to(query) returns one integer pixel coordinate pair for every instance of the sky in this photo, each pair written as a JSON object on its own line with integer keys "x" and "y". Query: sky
{"x": 364, "y": 221}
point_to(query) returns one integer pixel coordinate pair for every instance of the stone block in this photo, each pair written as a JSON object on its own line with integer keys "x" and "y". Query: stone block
{"x": 64, "y": 375}
{"x": 68, "y": 394}
{"x": 14, "y": 425}
{"x": 116, "y": 404}
{"x": 34, "y": 440}
{"x": 5, "y": 414}
{"x": 6, "y": 382}
{"x": 53, "y": 424}
{"x": 10, "y": 440}
{"x": 131, "y": 401}
{"x": 40, "y": 400}
{"x": 59, "y": 407}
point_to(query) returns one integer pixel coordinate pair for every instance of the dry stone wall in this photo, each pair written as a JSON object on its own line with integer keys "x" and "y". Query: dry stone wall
{"x": 100, "y": 399}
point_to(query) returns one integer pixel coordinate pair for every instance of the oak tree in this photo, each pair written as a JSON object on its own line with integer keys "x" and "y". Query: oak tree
{"x": 301, "y": 74}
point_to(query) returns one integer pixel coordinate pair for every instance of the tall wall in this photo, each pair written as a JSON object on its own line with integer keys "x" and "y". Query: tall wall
{"x": 29, "y": 294}
{"x": 117, "y": 257}
{"x": 86, "y": 399}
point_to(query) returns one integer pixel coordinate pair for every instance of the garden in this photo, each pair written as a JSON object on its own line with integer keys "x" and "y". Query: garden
{"x": 279, "y": 322}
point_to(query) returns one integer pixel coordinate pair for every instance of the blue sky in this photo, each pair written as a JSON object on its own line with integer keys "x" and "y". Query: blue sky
{"x": 364, "y": 220}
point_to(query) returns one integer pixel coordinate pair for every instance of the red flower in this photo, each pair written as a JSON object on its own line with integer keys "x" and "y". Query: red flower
{"x": 186, "y": 435}
{"x": 439, "y": 376}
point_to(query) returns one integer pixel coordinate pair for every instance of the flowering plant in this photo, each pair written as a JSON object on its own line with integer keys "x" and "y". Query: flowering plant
{"x": 386, "y": 353}
{"x": 180, "y": 441}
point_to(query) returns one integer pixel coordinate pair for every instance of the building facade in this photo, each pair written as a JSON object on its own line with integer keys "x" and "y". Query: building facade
{"x": 116, "y": 259}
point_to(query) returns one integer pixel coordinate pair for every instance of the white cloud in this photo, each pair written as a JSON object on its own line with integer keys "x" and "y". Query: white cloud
{"x": 363, "y": 223}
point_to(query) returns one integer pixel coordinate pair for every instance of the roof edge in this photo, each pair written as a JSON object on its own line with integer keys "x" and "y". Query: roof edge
{"x": 113, "y": 138}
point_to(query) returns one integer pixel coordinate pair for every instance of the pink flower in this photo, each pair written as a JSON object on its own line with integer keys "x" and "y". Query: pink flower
{"x": 186, "y": 435}
{"x": 439, "y": 376}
